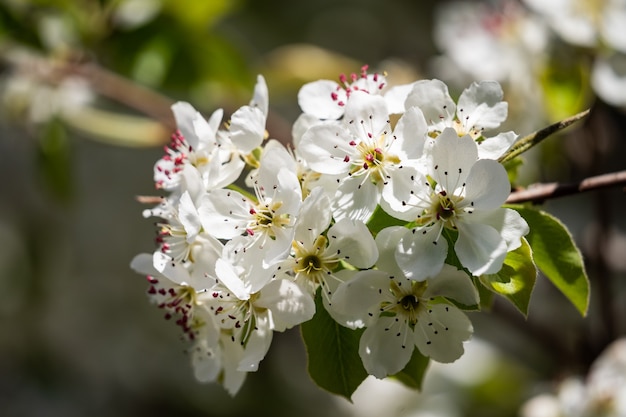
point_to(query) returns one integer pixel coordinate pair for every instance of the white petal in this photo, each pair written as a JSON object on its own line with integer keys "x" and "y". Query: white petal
{"x": 386, "y": 347}
{"x": 354, "y": 243}
{"x": 207, "y": 130}
{"x": 315, "y": 98}
{"x": 454, "y": 284}
{"x": 288, "y": 303}
{"x": 366, "y": 114}
{"x": 613, "y": 23}
{"x": 452, "y": 159}
{"x": 398, "y": 193}
{"x": 175, "y": 272}
{"x": 356, "y": 198}
{"x": 421, "y": 254}
{"x": 188, "y": 216}
{"x": 487, "y": 185}
{"x": 441, "y": 331}
{"x": 191, "y": 181}
{"x": 509, "y": 224}
{"x": 608, "y": 78}
{"x": 231, "y": 280}
{"x": 233, "y": 379}
{"x": 494, "y": 147}
{"x": 257, "y": 345}
{"x": 185, "y": 114}
{"x": 275, "y": 156}
{"x": 224, "y": 213}
{"x": 387, "y": 241}
{"x": 410, "y": 134}
{"x": 325, "y": 148}
{"x": 481, "y": 106}
{"x": 315, "y": 216}
{"x": 396, "y": 96}
{"x": 288, "y": 192}
{"x": 260, "y": 97}
{"x": 480, "y": 248}
{"x": 247, "y": 128}
{"x": 432, "y": 97}
{"x": 360, "y": 297}
{"x": 303, "y": 123}
{"x": 144, "y": 264}
{"x": 206, "y": 361}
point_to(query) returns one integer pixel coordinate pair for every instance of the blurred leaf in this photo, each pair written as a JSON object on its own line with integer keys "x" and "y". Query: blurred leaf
{"x": 153, "y": 62}
{"x": 54, "y": 160}
{"x": 557, "y": 256}
{"x": 516, "y": 280}
{"x": 118, "y": 129}
{"x": 566, "y": 84}
{"x": 199, "y": 15}
{"x": 413, "y": 373}
{"x": 334, "y": 363}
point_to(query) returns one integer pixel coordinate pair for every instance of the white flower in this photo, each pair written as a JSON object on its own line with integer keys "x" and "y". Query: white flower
{"x": 326, "y": 100}
{"x": 480, "y": 109}
{"x": 318, "y": 251}
{"x": 608, "y": 78}
{"x": 462, "y": 194}
{"x": 500, "y": 41}
{"x": 602, "y": 394}
{"x": 401, "y": 314}
{"x": 178, "y": 290}
{"x": 586, "y": 23}
{"x": 249, "y": 308}
{"x": 267, "y": 223}
{"x": 194, "y": 144}
{"x": 246, "y": 128}
{"x": 370, "y": 160}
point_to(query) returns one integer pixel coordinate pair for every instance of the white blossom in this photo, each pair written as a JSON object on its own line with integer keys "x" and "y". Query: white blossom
{"x": 461, "y": 194}
{"x": 402, "y": 314}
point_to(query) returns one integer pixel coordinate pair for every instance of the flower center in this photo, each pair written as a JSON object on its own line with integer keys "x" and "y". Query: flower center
{"x": 410, "y": 301}
{"x": 373, "y": 159}
{"x": 443, "y": 208}
{"x": 314, "y": 263}
{"x": 177, "y": 302}
{"x": 266, "y": 219}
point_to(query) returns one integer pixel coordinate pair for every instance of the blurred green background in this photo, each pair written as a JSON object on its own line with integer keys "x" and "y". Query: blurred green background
{"x": 86, "y": 90}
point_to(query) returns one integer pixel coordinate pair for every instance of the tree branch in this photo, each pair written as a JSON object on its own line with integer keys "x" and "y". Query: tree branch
{"x": 541, "y": 192}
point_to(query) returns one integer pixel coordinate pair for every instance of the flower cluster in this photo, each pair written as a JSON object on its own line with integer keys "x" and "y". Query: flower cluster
{"x": 386, "y": 222}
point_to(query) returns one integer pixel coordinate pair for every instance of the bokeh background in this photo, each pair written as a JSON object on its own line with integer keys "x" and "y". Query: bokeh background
{"x": 86, "y": 87}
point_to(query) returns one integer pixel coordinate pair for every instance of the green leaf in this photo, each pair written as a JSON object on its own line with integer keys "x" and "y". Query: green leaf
{"x": 557, "y": 256}
{"x": 380, "y": 219}
{"x": 516, "y": 280}
{"x": 334, "y": 363}
{"x": 525, "y": 143}
{"x": 413, "y": 373}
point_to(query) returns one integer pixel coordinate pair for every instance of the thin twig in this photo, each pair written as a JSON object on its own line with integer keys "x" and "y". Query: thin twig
{"x": 541, "y": 192}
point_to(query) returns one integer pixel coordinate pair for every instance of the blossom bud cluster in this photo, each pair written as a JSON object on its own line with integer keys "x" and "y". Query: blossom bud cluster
{"x": 360, "y": 211}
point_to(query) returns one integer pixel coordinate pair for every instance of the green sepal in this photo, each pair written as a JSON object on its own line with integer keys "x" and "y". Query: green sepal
{"x": 333, "y": 360}
{"x": 516, "y": 279}
{"x": 413, "y": 373}
{"x": 557, "y": 256}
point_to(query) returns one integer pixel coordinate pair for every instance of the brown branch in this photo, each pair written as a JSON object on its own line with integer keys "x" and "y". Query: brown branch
{"x": 102, "y": 81}
{"x": 541, "y": 192}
